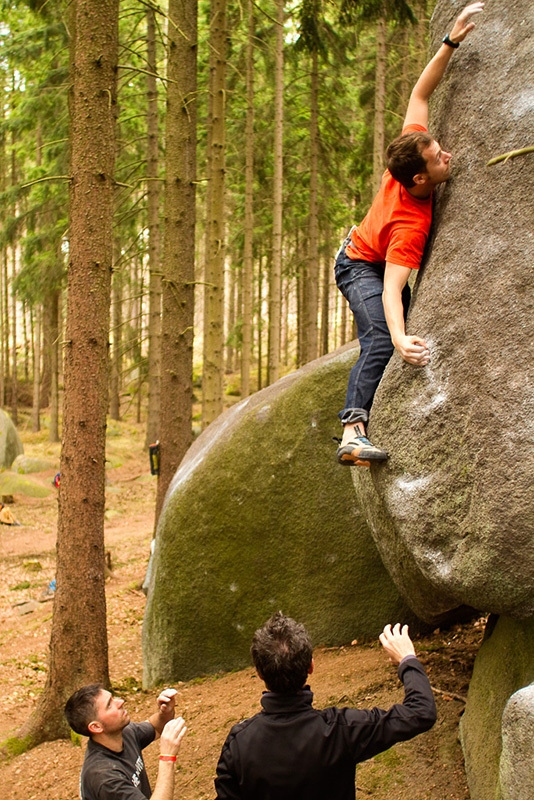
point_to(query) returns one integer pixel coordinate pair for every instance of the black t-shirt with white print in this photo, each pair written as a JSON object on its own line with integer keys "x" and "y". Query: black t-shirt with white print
{"x": 107, "y": 775}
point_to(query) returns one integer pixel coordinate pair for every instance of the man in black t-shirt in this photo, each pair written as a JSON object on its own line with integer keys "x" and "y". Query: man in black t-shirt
{"x": 113, "y": 767}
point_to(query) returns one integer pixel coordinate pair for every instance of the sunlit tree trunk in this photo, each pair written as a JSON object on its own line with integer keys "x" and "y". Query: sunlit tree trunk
{"x": 116, "y": 327}
{"x": 310, "y": 283}
{"x": 325, "y": 302}
{"x": 36, "y": 406}
{"x": 248, "y": 251}
{"x": 179, "y": 244}
{"x": 380, "y": 103}
{"x": 273, "y": 366}
{"x": 53, "y": 330}
{"x": 14, "y": 357}
{"x": 5, "y": 299}
{"x": 154, "y": 266}
{"x": 13, "y": 250}
{"x": 78, "y": 642}
{"x": 213, "y": 369}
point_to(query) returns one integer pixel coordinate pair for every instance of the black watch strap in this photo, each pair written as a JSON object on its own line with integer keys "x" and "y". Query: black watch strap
{"x": 446, "y": 40}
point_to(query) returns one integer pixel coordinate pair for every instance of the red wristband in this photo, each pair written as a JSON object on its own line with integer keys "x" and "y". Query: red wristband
{"x": 165, "y": 757}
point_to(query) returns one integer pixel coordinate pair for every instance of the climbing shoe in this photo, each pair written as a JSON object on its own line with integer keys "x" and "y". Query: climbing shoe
{"x": 360, "y": 452}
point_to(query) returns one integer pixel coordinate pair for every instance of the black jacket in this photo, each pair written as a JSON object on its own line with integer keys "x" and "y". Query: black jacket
{"x": 291, "y": 751}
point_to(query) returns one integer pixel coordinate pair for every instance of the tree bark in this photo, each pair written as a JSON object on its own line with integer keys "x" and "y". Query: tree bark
{"x": 248, "y": 251}
{"x": 380, "y": 103}
{"x": 310, "y": 278}
{"x": 78, "y": 642}
{"x": 36, "y": 406}
{"x": 54, "y": 327}
{"x": 212, "y": 380}
{"x": 273, "y": 366}
{"x": 154, "y": 266}
{"x": 179, "y": 244}
{"x": 14, "y": 365}
{"x": 116, "y": 327}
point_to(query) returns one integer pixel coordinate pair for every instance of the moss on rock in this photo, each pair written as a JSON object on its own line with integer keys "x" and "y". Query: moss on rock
{"x": 504, "y": 664}
{"x": 260, "y": 517}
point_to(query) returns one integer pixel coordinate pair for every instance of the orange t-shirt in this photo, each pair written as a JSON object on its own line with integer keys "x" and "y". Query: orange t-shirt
{"x": 396, "y": 226}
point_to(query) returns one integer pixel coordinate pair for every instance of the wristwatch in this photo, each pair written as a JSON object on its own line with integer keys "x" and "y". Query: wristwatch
{"x": 447, "y": 40}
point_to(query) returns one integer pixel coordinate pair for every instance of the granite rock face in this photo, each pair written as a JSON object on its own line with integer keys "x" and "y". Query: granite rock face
{"x": 452, "y": 511}
{"x": 10, "y": 443}
{"x": 261, "y": 517}
{"x": 504, "y": 664}
{"x": 517, "y": 757}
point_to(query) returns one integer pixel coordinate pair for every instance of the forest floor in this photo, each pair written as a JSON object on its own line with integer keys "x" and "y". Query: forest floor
{"x": 430, "y": 766}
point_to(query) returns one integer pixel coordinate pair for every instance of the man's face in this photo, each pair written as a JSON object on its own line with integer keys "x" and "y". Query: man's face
{"x": 437, "y": 163}
{"x": 110, "y": 712}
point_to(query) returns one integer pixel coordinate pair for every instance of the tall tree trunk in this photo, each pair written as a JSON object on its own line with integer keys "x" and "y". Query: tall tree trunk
{"x": 14, "y": 246}
{"x": 78, "y": 642}
{"x": 36, "y": 406}
{"x": 179, "y": 244}
{"x": 325, "y": 302}
{"x": 259, "y": 325}
{"x": 273, "y": 366}
{"x": 116, "y": 327}
{"x": 139, "y": 340}
{"x": 310, "y": 287}
{"x": 14, "y": 359}
{"x": 5, "y": 337}
{"x": 154, "y": 266}
{"x": 212, "y": 380}
{"x": 248, "y": 251}
{"x": 380, "y": 103}
{"x": 231, "y": 306}
{"x": 54, "y": 353}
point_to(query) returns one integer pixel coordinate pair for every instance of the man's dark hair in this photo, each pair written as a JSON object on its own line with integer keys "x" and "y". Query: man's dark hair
{"x": 80, "y": 708}
{"x": 404, "y": 156}
{"x": 282, "y": 653}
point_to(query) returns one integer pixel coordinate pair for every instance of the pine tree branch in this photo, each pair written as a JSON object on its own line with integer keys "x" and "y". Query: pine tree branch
{"x": 46, "y": 178}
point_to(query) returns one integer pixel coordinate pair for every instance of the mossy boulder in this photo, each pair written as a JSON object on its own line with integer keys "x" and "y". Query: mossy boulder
{"x": 456, "y": 493}
{"x": 25, "y": 465}
{"x": 261, "y": 517}
{"x": 10, "y": 443}
{"x": 504, "y": 664}
{"x": 516, "y": 777}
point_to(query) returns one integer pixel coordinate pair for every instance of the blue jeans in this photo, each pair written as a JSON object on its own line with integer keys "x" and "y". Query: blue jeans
{"x": 362, "y": 284}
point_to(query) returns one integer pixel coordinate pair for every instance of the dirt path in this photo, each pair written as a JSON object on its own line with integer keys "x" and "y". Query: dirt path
{"x": 427, "y": 768}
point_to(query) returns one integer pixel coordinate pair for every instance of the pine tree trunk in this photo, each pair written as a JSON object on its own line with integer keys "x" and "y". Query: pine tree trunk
{"x": 36, "y": 407}
{"x": 273, "y": 366}
{"x": 116, "y": 327}
{"x": 14, "y": 364}
{"x": 325, "y": 302}
{"x": 179, "y": 244}
{"x": 310, "y": 284}
{"x": 54, "y": 330}
{"x": 248, "y": 252}
{"x": 154, "y": 266}
{"x": 380, "y": 103}
{"x": 5, "y": 340}
{"x": 213, "y": 357}
{"x": 78, "y": 642}
{"x": 14, "y": 246}
{"x": 231, "y": 292}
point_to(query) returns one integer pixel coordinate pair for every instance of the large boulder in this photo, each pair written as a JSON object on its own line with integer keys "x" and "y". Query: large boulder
{"x": 10, "y": 443}
{"x": 260, "y": 517}
{"x": 452, "y": 511}
{"x": 516, "y": 776}
{"x": 504, "y": 664}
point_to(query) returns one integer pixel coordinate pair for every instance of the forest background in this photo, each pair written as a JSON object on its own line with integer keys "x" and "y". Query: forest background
{"x": 189, "y": 171}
